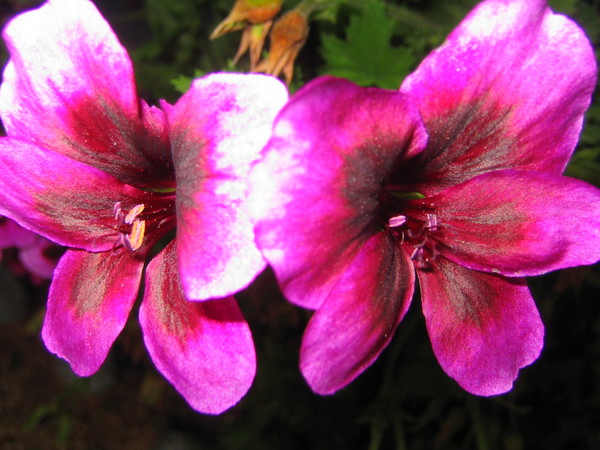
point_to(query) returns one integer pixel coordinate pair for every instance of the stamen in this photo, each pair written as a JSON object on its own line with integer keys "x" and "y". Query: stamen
{"x": 133, "y": 213}
{"x": 118, "y": 212}
{"x": 396, "y": 221}
{"x": 432, "y": 223}
{"x": 131, "y": 229}
{"x": 425, "y": 248}
{"x": 135, "y": 238}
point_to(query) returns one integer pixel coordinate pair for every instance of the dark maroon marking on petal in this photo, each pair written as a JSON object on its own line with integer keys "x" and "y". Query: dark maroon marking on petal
{"x": 204, "y": 349}
{"x": 483, "y": 327}
{"x": 520, "y": 223}
{"x": 96, "y": 282}
{"x": 181, "y": 317}
{"x": 358, "y": 319}
{"x": 363, "y": 174}
{"x": 91, "y": 213}
{"x": 174, "y": 315}
{"x": 65, "y": 200}
{"x": 191, "y": 159}
{"x": 101, "y": 136}
{"x": 470, "y": 140}
{"x": 155, "y": 143}
{"x": 89, "y": 301}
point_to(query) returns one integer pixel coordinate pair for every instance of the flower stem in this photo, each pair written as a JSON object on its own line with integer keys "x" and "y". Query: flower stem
{"x": 477, "y": 423}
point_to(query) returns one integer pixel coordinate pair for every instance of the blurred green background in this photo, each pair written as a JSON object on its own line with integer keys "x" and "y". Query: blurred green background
{"x": 404, "y": 401}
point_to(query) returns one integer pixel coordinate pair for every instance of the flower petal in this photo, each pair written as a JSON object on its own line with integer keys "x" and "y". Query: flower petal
{"x": 508, "y": 89}
{"x": 358, "y": 319}
{"x": 204, "y": 348}
{"x": 38, "y": 258}
{"x": 314, "y": 195}
{"x": 217, "y": 130}
{"x": 88, "y": 304}
{"x": 155, "y": 144}
{"x": 14, "y": 235}
{"x": 520, "y": 223}
{"x": 62, "y": 199}
{"x": 483, "y": 328}
{"x": 69, "y": 86}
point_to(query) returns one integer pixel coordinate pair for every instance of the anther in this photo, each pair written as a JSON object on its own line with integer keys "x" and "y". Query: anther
{"x": 396, "y": 221}
{"x": 131, "y": 229}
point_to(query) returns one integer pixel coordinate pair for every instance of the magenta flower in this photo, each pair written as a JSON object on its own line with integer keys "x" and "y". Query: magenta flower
{"x": 37, "y": 256}
{"x": 14, "y": 235}
{"x": 454, "y": 181}
{"x": 90, "y": 166}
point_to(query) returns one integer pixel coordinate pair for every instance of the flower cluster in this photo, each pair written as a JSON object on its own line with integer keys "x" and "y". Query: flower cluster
{"x": 351, "y": 194}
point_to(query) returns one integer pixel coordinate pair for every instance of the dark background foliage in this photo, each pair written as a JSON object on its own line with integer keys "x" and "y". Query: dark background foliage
{"x": 404, "y": 401}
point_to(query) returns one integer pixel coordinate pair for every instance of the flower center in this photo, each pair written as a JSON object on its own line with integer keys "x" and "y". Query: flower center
{"x": 413, "y": 223}
{"x": 132, "y": 225}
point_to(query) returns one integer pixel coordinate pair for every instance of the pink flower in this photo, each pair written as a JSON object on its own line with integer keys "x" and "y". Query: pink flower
{"x": 454, "y": 181}
{"x": 14, "y": 235}
{"x": 37, "y": 256}
{"x": 90, "y": 166}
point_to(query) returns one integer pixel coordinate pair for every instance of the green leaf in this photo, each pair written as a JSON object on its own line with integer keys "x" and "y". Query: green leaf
{"x": 182, "y": 82}
{"x": 327, "y": 10}
{"x": 366, "y": 56}
{"x": 585, "y": 165}
{"x": 564, "y": 6}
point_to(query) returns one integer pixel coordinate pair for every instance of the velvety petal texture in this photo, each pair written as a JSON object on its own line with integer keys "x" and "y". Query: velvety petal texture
{"x": 204, "y": 348}
{"x": 507, "y": 90}
{"x": 520, "y": 223}
{"x": 314, "y": 194}
{"x": 483, "y": 328}
{"x": 456, "y": 177}
{"x": 92, "y": 167}
{"x": 89, "y": 301}
{"x": 217, "y": 130}
{"x": 69, "y": 86}
{"x": 62, "y": 199}
{"x": 358, "y": 319}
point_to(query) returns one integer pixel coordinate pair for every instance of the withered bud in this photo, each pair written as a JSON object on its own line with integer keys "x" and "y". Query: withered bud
{"x": 246, "y": 13}
{"x": 287, "y": 37}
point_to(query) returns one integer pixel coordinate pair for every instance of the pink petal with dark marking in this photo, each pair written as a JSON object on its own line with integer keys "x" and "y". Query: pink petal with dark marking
{"x": 62, "y": 199}
{"x": 89, "y": 301}
{"x": 69, "y": 86}
{"x": 204, "y": 348}
{"x": 358, "y": 319}
{"x": 508, "y": 89}
{"x": 217, "y": 130}
{"x": 520, "y": 223}
{"x": 156, "y": 145}
{"x": 314, "y": 195}
{"x": 483, "y": 327}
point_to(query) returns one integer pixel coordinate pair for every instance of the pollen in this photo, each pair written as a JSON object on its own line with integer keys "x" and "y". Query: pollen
{"x": 396, "y": 221}
{"x": 130, "y": 227}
